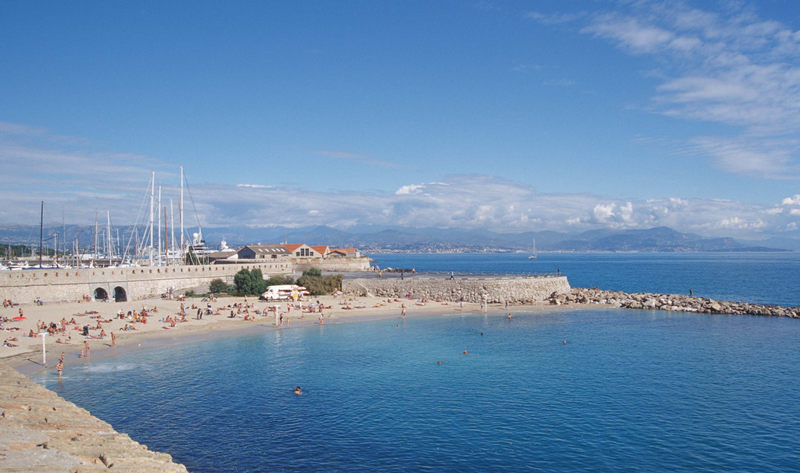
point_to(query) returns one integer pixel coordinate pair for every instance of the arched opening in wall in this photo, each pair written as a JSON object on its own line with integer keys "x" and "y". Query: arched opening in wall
{"x": 119, "y": 294}
{"x": 100, "y": 294}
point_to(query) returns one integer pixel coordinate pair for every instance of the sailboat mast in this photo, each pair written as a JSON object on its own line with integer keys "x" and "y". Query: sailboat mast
{"x": 94, "y": 257}
{"x": 159, "y": 226}
{"x": 166, "y": 246}
{"x": 172, "y": 230}
{"x": 180, "y": 215}
{"x": 152, "y": 195}
{"x": 109, "y": 249}
{"x": 41, "y": 234}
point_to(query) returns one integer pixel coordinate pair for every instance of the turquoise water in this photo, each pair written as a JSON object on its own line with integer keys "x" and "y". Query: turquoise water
{"x": 630, "y": 391}
{"x": 763, "y": 278}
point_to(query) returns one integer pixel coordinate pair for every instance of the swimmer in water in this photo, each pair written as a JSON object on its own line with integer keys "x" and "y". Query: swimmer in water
{"x": 298, "y": 390}
{"x": 509, "y": 316}
{"x": 564, "y": 342}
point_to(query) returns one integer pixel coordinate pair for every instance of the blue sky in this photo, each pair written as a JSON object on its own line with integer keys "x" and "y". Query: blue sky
{"x": 512, "y": 116}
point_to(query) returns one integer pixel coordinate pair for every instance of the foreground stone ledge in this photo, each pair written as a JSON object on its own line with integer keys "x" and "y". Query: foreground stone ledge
{"x": 673, "y": 302}
{"x": 41, "y": 432}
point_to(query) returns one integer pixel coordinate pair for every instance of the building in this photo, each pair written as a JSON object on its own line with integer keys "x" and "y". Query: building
{"x": 344, "y": 253}
{"x": 263, "y": 252}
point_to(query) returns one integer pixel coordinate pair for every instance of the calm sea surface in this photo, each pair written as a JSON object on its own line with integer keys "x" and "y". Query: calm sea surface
{"x": 630, "y": 391}
{"x": 763, "y": 278}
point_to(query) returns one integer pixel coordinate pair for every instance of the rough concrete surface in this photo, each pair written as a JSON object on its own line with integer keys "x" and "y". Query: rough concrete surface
{"x": 41, "y": 432}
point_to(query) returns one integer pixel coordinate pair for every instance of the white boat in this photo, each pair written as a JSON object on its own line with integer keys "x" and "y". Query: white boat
{"x": 533, "y": 252}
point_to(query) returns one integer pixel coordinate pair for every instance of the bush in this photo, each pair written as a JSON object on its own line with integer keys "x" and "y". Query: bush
{"x": 280, "y": 280}
{"x": 217, "y": 286}
{"x": 312, "y": 272}
{"x": 319, "y": 285}
{"x": 249, "y": 282}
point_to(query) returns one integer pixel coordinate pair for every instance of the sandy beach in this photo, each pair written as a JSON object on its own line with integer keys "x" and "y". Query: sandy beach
{"x": 163, "y": 320}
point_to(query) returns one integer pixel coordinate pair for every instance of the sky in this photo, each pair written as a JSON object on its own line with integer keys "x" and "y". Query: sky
{"x": 499, "y": 115}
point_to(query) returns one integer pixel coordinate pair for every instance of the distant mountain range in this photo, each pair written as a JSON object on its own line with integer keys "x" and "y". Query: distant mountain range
{"x": 372, "y": 239}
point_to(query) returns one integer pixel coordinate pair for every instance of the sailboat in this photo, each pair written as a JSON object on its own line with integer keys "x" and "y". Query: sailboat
{"x": 533, "y": 253}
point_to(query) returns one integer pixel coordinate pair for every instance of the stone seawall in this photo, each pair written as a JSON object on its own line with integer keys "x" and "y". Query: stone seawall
{"x": 41, "y": 432}
{"x": 55, "y": 285}
{"x": 673, "y": 302}
{"x": 492, "y": 290}
{"x": 333, "y": 265}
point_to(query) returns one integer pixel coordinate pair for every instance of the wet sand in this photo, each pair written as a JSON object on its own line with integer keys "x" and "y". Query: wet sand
{"x": 27, "y": 355}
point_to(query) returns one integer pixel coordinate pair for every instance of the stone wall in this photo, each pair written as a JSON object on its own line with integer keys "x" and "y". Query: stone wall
{"x": 41, "y": 432}
{"x": 52, "y": 285}
{"x": 672, "y": 302}
{"x": 333, "y": 265}
{"x": 514, "y": 290}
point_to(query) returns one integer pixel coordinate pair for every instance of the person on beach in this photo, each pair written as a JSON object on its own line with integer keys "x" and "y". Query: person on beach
{"x": 691, "y": 292}
{"x": 86, "y": 347}
{"x": 403, "y": 311}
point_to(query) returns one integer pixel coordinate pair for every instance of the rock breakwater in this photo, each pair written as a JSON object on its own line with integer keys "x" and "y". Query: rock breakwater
{"x": 41, "y": 432}
{"x": 673, "y": 302}
{"x": 489, "y": 290}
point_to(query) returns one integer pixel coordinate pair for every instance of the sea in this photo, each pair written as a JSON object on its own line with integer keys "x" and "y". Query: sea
{"x": 587, "y": 390}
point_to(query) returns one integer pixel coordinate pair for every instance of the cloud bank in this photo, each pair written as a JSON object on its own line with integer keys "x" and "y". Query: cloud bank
{"x": 77, "y": 183}
{"x": 727, "y": 67}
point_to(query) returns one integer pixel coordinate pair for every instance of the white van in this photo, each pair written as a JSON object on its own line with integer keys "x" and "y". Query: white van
{"x": 284, "y": 292}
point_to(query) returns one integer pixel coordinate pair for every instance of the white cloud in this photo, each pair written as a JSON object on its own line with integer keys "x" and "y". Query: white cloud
{"x": 95, "y": 181}
{"x": 409, "y": 189}
{"x": 727, "y": 67}
{"x": 253, "y": 186}
{"x": 793, "y": 200}
{"x": 361, "y": 158}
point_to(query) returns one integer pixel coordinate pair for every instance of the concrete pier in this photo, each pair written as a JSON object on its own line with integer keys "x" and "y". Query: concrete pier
{"x": 42, "y": 432}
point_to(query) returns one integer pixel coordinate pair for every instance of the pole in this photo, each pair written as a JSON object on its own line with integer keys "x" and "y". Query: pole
{"x": 166, "y": 246}
{"x": 44, "y": 352}
{"x": 159, "y": 225}
{"x": 171, "y": 230}
{"x": 94, "y": 258}
{"x": 41, "y": 229}
{"x": 180, "y": 216}
{"x": 109, "y": 249}
{"x": 152, "y": 195}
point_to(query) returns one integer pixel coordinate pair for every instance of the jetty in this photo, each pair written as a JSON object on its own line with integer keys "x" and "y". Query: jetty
{"x": 671, "y": 302}
{"x": 42, "y": 432}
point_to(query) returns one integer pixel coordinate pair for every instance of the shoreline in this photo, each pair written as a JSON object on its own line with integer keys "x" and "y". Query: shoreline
{"x": 27, "y": 356}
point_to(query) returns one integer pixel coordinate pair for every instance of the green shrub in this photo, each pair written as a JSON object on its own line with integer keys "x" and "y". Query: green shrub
{"x": 280, "y": 280}
{"x": 319, "y": 285}
{"x": 249, "y": 282}
{"x": 217, "y": 286}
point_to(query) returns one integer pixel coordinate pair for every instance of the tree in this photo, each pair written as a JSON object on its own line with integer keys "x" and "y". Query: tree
{"x": 249, "y": 282}
{"x": 280, "y": 280}
{"x": 318, "y": 284}
{"x": 217, "y": 286}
